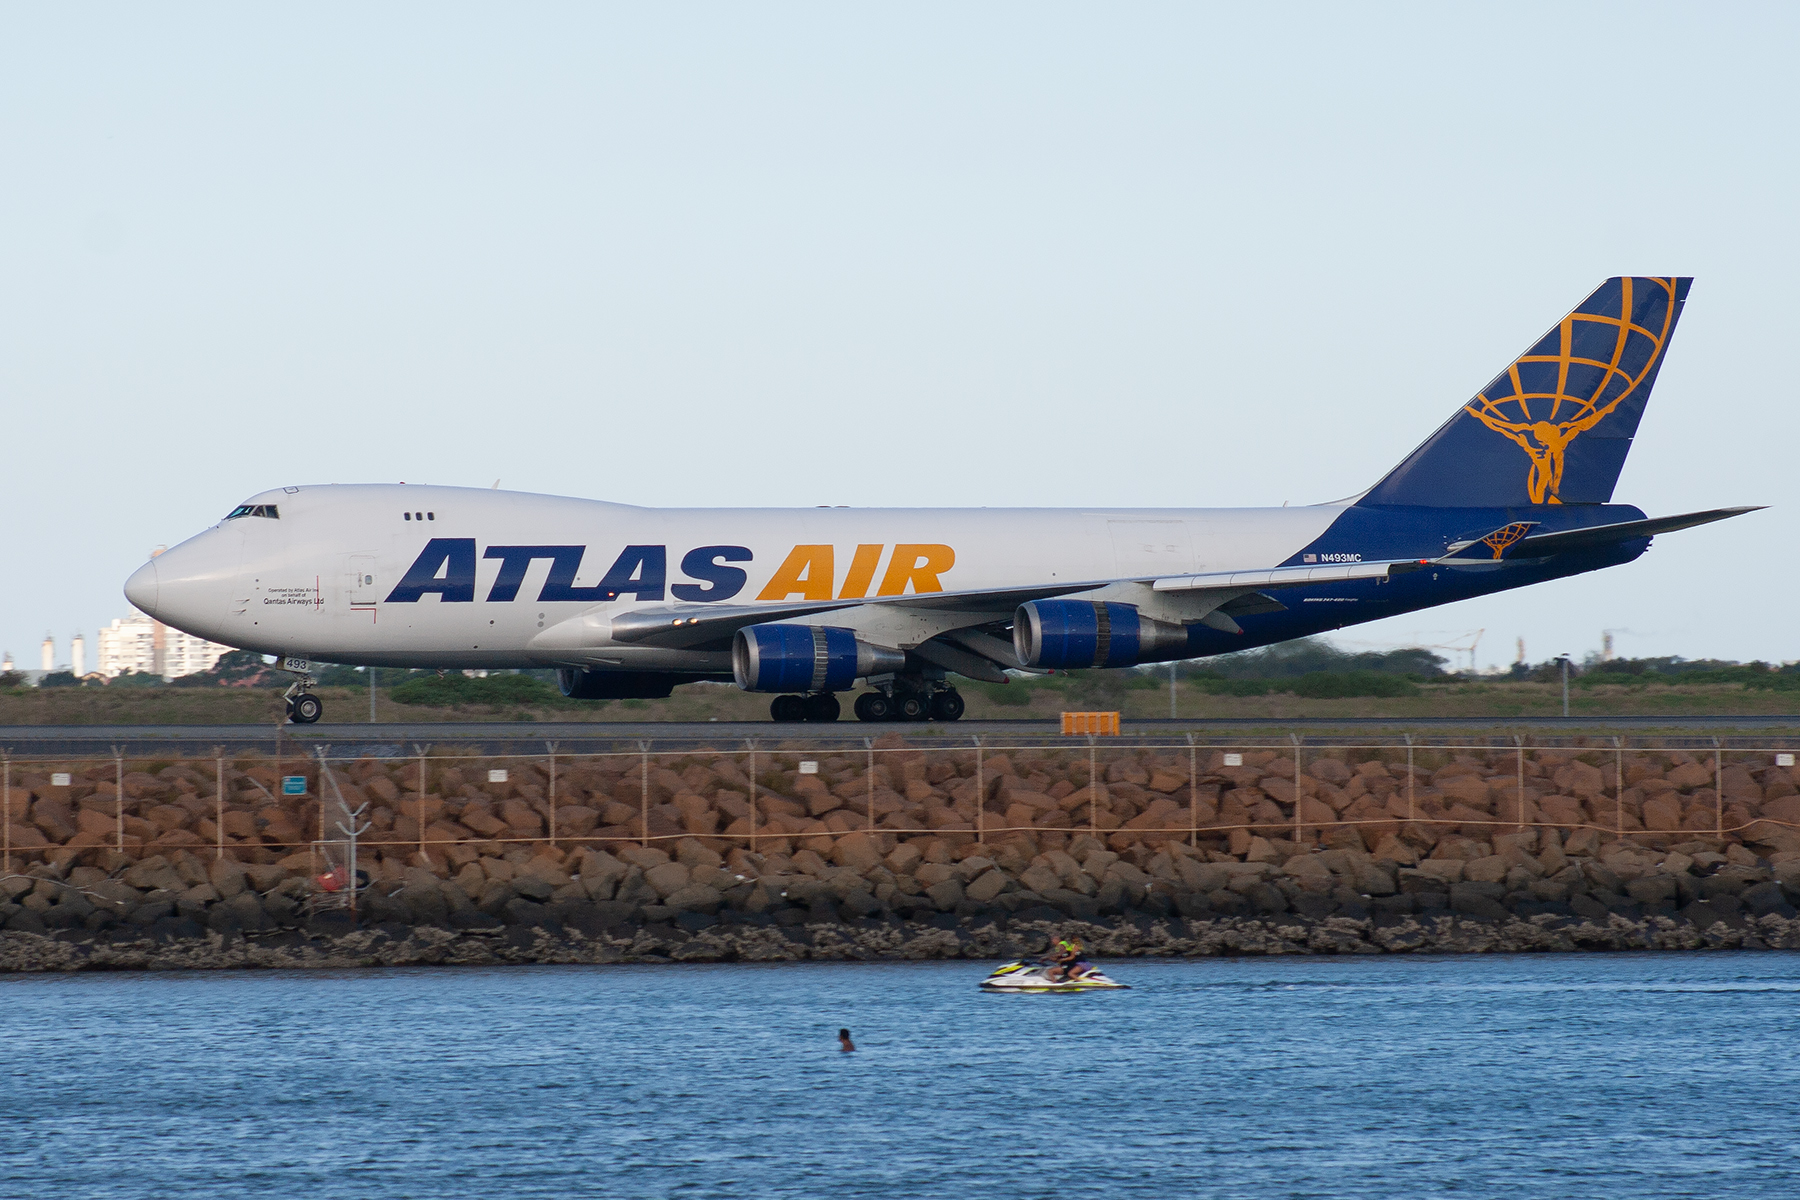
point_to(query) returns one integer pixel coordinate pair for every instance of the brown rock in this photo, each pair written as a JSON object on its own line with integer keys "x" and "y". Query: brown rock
{"x": 860, "y": 852}
{"x": 1580, "y": 779}
{"x": 1689, "y": 775}
{"x": 984, "y": 887}
{"x": 1491, "y": 869}
{"x": 668, "y": 879}
{"x": 1391, "y": 847}
{"x": 1445, "y": 870}
{"x": 481, "y": 819}
{"x": 698, "y": 855}
{"x": 1471, "y": 790}
{"x": 1331, "y": 770}
{"x": 1663, "y": 813}
{"x": 573, "y": 820}
{"x": 167, "y": 817}
{"x": 521, "y": 817}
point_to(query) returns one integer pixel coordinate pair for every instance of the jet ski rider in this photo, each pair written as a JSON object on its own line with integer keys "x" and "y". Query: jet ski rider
{"x": 1065, "y": 961}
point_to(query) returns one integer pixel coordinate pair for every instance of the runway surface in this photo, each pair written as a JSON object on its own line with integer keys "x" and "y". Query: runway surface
{"x": 576, "y": 737}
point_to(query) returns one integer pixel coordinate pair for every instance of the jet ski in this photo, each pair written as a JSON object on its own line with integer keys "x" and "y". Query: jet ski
{"x": 1022, "y": 976}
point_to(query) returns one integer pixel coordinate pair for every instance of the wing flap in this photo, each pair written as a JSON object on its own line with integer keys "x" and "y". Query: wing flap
{"x": 1278, "y": 577}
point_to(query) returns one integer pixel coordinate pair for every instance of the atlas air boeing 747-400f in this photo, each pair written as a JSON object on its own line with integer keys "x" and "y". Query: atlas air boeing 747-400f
{"x": 1515, "y": 488}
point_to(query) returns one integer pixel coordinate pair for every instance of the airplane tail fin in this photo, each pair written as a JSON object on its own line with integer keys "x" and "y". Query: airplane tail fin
{"x": 1555, "y": 426}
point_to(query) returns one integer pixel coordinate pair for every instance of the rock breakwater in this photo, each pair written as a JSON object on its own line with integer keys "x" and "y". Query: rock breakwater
{"x": 903, "y": 852}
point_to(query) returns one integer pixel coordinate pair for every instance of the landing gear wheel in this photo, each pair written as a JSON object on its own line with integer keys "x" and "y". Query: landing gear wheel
{"x": 910, "y": 706}
{"x": 305, "y": 708}
{"x": 947, "y": 706}
{"x": 822, "y": 707}
{"x": 873, "y": 706}
{"x": 787, "y": 709}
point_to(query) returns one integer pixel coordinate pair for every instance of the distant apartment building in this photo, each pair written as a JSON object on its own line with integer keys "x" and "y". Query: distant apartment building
{"x": 140, "y": 643}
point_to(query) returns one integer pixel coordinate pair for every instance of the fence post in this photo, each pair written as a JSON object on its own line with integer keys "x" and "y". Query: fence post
{"x": 1519, "y": 741}
{"x": 1718, "y": 789}
{"x": 1093, "y": 788}
{"x": 219, "y": 803}
{"x": 644, "y": 795}
{"x": 118, "y": 801}
{"x": 980, "y": 795}
{"x": 551, "y": 746}
{"x": 1619, "y": 782}
{"x": 1295, "y": 738}
{"x": 869, "y": 747}
{"x": 1412, "y": 812}
{"x": 751, "y": 743}
{"x": 418, "y": 811}
{"x": 1193, "y": 794}
{"x": 6, "y": 791}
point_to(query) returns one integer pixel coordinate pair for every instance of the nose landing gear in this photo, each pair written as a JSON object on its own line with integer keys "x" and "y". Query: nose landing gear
{"x": 303, "y": 708}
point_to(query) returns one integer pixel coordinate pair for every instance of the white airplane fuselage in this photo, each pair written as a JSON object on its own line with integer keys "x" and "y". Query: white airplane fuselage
{"x": 318, "y": 580}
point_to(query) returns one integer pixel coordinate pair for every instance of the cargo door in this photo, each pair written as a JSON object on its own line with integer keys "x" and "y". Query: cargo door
{"x": 361, "y": 581}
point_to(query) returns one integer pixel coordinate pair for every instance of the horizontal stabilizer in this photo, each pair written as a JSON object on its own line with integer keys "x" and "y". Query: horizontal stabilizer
{"x": 1542, "y": 544}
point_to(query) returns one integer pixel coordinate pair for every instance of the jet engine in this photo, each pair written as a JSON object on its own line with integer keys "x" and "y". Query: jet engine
{"x": 805, "y": 658}
{"x": 1073, "y": 634}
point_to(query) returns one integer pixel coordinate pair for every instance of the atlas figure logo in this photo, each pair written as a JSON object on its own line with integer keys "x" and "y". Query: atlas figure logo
{"x": 446, "y": 569}
{"x": 1577, "y": 376}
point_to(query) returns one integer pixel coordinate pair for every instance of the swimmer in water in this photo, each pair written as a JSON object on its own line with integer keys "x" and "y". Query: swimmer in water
{"x": 844, "y": 1042}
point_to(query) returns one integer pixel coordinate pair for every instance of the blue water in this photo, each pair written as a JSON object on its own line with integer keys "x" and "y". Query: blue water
{"x": 1557, "y": 1076}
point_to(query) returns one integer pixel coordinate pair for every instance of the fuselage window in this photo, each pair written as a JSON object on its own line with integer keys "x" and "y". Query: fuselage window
{"x": 431, "y": 516}
{"x": 406, "y": 516}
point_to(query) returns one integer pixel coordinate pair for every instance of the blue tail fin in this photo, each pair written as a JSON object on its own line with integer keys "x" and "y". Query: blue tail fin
{"x": 1555, "y": 426}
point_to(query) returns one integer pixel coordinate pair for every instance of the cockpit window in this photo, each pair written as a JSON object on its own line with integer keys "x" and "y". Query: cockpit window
{"x": 254, "y": 510}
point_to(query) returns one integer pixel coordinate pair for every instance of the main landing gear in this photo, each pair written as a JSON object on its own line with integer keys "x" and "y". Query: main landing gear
{"x": 820, "y": 706}
{"x": 909, "y": 698}
{"x": 910, "y": 704}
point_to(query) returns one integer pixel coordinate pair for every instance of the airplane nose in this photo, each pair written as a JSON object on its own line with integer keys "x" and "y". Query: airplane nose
{"x": 141, "y": 589}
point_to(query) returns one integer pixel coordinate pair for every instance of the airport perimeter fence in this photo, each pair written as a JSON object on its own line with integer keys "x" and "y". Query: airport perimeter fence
{"x": 457, "y": 805}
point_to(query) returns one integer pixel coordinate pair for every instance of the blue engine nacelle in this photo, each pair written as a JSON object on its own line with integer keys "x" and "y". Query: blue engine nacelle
{"x": 1073, "y": 634}
{"x": 805, "y": 658}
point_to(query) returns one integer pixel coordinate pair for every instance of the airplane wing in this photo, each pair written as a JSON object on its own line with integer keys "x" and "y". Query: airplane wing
{"x": 693, "y": 626}
{"x": 687, "y": 627}
{"x": 1280, "y": 577}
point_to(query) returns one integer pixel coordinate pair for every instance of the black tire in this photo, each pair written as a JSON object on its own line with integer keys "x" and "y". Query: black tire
{"x": 787, "y": 709}
{"x": 305, "y": 709}
{"x": 873, "y": 706}
{"x": 947, "y": 706}
{"x": 910, "y": 706}
{"x": 823, "y": 707}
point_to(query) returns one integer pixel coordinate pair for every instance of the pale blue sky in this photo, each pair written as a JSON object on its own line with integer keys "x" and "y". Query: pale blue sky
{"x": 828, "y": 254}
